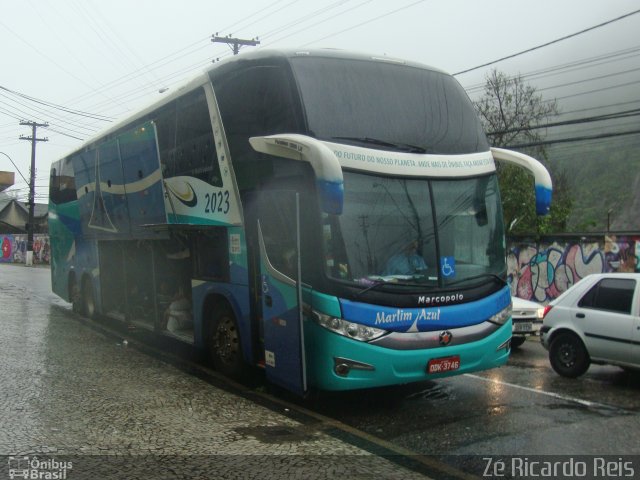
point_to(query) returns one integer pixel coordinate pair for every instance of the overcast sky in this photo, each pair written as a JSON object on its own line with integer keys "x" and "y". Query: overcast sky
{"x": 111, "y": 58}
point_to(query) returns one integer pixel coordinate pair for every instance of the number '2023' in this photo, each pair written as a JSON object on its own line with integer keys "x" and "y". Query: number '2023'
{"x": 217, "y": 202}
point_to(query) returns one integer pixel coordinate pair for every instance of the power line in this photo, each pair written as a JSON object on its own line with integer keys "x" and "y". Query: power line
{"x": 611, "y": 116}
{"x": 65, "y": 134}
{"x": 365, "y": 22}
{"x": 572, "y": 139}
{"x": 600, "y": 77}
{"x": 600, "y": 107}
{"x": 267, "y": 15}
{"x": 252, "y": 15}
{"x": 59, "y": 107}
{"x": 549, "y": 43}
{"x": 312, "y": 15}
{"x": 24, "y": 114}
{"x": 41, "y": 112}
{"x": 563, "y": 68}
{"x": 159, "y": 63}
{"x": 97, "y": 26}
{"x": 604, "y": 89}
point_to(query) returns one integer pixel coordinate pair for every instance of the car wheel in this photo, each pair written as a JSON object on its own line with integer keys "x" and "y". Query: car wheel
{"x": 517, "y": 341}
{"x": 568, "y": 355}
{"x": 225, "y": 350}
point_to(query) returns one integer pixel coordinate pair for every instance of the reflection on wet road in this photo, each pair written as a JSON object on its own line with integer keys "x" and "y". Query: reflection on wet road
{"x": 523, "y": 408}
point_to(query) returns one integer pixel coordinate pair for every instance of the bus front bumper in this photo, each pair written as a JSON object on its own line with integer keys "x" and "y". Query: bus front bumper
{"x": 335, "y": 362}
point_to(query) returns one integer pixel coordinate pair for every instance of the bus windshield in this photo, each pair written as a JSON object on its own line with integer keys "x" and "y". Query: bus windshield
{"x": 415, "y": 231}
{"x": 378, "y": 104}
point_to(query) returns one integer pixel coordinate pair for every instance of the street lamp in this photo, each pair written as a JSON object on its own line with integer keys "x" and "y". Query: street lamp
{"x": 26, "y": 181}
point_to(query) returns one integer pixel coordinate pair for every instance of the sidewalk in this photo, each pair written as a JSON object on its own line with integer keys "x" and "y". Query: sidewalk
{"x": 71, "y": 393}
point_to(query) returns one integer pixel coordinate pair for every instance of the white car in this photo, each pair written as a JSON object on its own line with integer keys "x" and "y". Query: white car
{"x": 596, "y": 321}
{"x": 526, "y": 318}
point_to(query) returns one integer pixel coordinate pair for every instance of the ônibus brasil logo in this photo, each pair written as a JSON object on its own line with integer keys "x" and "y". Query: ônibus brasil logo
{"x": 35, "y": 468}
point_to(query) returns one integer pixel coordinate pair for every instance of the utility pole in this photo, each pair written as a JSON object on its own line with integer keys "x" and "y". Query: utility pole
{"x": 234, "y": 43}
{"x": 32, "y": 183}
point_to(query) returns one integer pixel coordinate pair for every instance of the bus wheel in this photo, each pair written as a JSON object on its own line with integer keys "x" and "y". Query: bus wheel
{"x": 74, "y": 294}
{"x": 517, "y": 341}
{"x": 225, "y": 351}
{"x": 88, "y": 298}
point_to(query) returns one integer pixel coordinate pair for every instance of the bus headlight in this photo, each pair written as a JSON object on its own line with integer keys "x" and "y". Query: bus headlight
{"x": 342, "y": 327}
{"x": 502, "y": 316}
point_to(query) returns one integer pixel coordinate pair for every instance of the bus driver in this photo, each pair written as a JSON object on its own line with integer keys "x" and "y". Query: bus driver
{"x": 406, "y": 262}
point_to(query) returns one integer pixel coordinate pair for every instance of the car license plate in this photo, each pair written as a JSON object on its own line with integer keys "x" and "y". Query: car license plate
{"x": 523, "y": 327}
{"x": 441, "y": 365}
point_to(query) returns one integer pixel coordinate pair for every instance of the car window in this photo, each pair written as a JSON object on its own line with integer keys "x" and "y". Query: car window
{"x": 612, "y": 294}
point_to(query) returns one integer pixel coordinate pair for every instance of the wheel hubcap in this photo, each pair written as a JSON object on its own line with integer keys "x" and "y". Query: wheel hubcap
{"x": 567, "y": 355}
{"x": 226, "y": 341}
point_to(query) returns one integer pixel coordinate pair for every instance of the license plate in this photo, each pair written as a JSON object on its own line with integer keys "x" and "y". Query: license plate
{"x": 523, "y": 327}
{"x": 441, "y": 365}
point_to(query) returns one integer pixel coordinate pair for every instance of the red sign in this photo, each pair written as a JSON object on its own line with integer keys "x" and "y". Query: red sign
{"x": 6, "y": 248}
{"x": 442, "y": 365}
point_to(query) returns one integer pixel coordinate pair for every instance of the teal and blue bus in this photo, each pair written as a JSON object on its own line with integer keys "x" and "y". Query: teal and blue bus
{"x": 332, "y": 218}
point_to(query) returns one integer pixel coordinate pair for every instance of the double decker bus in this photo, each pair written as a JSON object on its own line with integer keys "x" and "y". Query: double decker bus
{"x": 333, "y": 218}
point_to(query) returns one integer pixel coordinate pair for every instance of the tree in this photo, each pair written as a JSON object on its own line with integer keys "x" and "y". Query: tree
{"x": 508, "y": 110}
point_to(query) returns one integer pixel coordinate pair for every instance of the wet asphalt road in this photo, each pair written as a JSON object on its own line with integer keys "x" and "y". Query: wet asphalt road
{"x": 523, "y": 408}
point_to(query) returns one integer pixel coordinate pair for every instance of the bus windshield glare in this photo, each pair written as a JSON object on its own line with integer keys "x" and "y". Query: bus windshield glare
{"x": 391, "y": 231}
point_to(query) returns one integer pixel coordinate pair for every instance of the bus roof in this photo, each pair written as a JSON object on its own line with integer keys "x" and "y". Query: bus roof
{"x": 229, "y": 65}
{"x": 261, "y": 54}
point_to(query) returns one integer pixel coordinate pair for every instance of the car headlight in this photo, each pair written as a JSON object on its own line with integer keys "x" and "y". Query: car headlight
{"x": 342, "y": 327}
{"x": 502, "y": 316}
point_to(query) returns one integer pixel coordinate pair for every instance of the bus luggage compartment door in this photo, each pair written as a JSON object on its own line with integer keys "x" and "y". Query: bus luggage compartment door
{"x": 283, "y": 334}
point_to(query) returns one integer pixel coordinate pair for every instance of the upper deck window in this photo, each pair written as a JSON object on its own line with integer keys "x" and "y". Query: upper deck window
{"x": 62, "y": 187}
{"x": 388, "y": 102}
{"x": 185, "y": 139}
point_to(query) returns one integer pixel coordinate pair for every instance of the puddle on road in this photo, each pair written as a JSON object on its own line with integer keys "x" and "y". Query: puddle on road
{"x": 598, "y": 409}
{"x": 276, "y": 434}
{"x": 435, "y": 392}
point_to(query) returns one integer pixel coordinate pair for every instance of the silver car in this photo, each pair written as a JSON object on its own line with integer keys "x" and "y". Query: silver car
{"x": 526, "y": 318}
{"x": 597, "y": 320}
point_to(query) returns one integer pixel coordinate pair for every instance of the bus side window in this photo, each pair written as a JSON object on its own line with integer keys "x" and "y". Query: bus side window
{"x": 54, "y": 186}
{"x": 195, "y": 148}
{"x": 253, "y": 102}
{"x": 62, "y": 187}
{"x": 278, "y": 224}
{"x": 165, "y": 121}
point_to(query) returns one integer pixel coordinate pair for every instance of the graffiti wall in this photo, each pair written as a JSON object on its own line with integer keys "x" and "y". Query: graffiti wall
{"x": 542, "y": 271}
{"x": 14, "y": 248}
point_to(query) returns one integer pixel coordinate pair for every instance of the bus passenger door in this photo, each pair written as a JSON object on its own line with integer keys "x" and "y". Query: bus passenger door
{"x": 283, "y": 335}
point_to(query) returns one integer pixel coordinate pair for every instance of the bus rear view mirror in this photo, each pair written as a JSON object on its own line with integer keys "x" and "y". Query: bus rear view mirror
{"x": 326, "y": 167}
{"x": 541, "y": 175}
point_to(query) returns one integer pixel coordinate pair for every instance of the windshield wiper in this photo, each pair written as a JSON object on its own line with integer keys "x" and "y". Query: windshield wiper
{"x": 476, "y": 277}
{"x": 405, "y": 147}
{"x": 378, "y": 283}
{"x": 370, "y": 287}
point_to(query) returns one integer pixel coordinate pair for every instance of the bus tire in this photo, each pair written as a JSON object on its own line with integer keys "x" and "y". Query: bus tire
{"x": 74, "y": 294}
{"x": 223, "y": 342}
{"x": 88, "y": 298}
{"x": 517, "y": 341}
